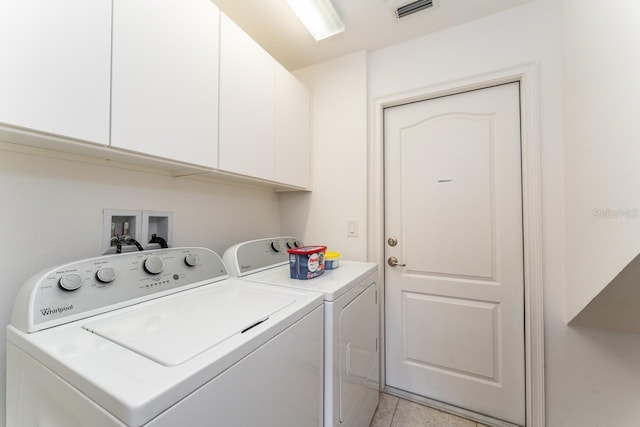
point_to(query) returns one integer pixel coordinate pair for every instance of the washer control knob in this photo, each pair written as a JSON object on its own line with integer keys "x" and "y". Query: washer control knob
{"x": 275, "y": 246}
{"x": 70, "y": 281}
{"x": 106, "y": 274}
{"x": 153, "y": 265}
{"x": 291, "y": 244}
{"x": 191, "y": 260}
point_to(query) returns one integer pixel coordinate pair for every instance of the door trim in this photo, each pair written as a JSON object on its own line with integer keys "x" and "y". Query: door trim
{"x": 527, "y": 75}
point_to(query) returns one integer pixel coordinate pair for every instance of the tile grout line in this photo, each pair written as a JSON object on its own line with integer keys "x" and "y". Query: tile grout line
{"x": 395, "y": 408}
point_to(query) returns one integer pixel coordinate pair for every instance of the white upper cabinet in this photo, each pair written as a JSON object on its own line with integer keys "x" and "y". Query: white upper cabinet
{"x": 54, "y": 71}
{"x": 293, "y": 131}
{"x": 247, "y": 100}
{"x": 264, "y": 113}
{"x": 168, "y": 83}
{"x": 165, "y": 79}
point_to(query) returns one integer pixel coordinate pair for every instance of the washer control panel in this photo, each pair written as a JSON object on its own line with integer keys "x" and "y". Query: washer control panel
{"x": 85, "y": 288}
{"x": 257, "y": 255}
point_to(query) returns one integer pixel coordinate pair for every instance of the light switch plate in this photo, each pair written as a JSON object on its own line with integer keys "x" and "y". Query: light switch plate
{"x": 352, "y": 228}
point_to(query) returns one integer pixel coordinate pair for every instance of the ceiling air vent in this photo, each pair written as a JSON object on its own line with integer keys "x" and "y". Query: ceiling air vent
{"x": 413, "y": 7}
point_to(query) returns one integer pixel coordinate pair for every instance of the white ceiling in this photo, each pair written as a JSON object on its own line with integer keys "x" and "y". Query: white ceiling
{"x": 370, "y": 25}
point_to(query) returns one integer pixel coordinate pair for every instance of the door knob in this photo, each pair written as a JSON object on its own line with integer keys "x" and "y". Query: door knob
{"x": 393, "y": 262}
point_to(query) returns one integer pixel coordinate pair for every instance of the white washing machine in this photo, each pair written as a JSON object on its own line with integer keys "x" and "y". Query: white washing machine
{"x": 162, "y": 338}
{"x": 351, "y": 323}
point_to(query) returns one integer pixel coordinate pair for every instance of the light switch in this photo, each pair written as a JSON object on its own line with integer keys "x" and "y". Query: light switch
{"x": 352, "y": 228}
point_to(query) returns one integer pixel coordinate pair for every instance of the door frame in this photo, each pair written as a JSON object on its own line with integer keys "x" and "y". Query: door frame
{"x": 527, "y": 76}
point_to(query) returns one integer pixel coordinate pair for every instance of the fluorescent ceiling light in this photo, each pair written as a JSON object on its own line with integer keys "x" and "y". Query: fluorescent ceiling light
{"x": 319, "y": 16}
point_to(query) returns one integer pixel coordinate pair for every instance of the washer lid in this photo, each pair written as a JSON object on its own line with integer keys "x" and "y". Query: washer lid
{"x": 174, "y": 331}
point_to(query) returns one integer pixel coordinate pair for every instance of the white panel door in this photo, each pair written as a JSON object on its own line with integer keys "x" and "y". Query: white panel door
{"x": 455, "y": 301}
{"x": 165, "y": 79}
{"x": 55, "y": 66}
{"x": 247, "y": 104}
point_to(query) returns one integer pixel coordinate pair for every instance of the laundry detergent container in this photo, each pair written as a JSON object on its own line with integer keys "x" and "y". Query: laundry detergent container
{"x": 331, "y": 260}
{"x": 306, "y": 262}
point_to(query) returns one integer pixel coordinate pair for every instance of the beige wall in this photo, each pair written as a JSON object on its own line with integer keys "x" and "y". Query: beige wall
{"x": 602, "y": 148}
{"x": 339, "y": 159}
{"x": 51, "y": 213}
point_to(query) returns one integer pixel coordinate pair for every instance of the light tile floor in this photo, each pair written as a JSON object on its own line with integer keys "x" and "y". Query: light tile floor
{"x": 396, "y": 412}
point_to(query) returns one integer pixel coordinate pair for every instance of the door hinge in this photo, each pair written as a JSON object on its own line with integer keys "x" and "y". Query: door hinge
{"x": 376, "y": 344}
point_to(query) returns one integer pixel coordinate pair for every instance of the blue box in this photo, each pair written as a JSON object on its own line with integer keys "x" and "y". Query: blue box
{"x": 306, "y": 262}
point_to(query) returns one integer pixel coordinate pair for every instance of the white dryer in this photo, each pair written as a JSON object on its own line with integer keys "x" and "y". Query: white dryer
{"x": 351, "y": 323}
{"x": 162, "y": 338}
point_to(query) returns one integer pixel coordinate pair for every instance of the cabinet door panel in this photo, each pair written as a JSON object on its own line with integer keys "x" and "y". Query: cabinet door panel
{"x": 247, "y": 110}
{"x": 293, "y": 133}
{"x": 165, "y": 79}
{"x": 55, "y": 70}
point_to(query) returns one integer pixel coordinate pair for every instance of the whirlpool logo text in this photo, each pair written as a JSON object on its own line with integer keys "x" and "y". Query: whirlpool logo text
{"x": 51, "y": 311}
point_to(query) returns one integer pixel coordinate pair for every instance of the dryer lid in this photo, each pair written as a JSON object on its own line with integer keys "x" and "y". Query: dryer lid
{"x": 174, "y": 331}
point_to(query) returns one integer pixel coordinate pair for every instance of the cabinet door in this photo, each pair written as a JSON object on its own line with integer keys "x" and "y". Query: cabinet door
{"x": 165, "y": 79}
{"x": 293, "y": 133}
{"x": 247, "y": 110}
{"x": 55, "y": 70}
